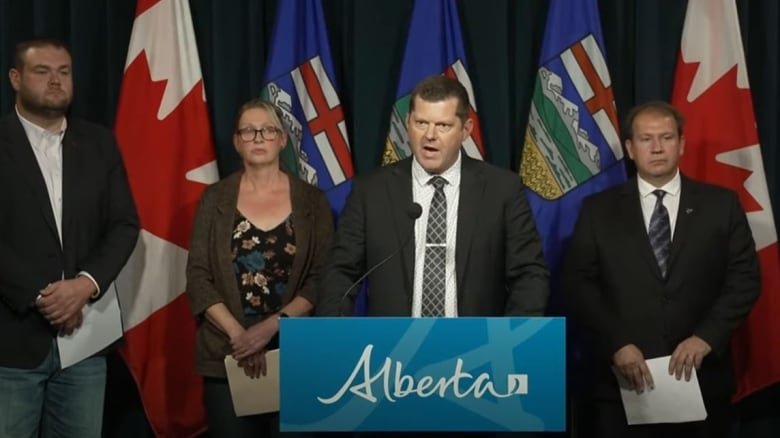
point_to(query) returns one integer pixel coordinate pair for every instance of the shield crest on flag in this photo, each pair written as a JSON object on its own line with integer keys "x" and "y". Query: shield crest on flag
{"x": 572, "y": 130}
{"x": 312, "y": 97}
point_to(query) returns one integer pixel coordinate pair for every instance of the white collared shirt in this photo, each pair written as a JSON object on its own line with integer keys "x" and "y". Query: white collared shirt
{"x": 422, "y": 193}
{"x": 47, "y": 147}
{"x": 671, "y": 199}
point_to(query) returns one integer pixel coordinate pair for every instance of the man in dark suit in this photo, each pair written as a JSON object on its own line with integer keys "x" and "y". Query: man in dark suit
{"x": 660, "y": 266}
{"x": 487, "y": 257}
{"x": 67, "y": 225}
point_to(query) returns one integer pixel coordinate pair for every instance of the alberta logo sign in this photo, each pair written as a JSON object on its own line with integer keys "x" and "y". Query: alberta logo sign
{"x": 438, "y": 374}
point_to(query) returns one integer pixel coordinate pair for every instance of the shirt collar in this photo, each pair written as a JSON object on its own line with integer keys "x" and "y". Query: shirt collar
{"x": 36, "y": 131}
{"x": 672, "y": 187}
{"x": 421, "y": 177}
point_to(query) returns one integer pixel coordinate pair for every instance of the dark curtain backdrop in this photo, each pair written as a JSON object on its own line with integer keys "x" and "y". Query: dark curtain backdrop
{"x": 502, "y": 40}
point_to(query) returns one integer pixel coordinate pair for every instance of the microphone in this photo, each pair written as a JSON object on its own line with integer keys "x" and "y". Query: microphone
{"x": 414, "y": 211}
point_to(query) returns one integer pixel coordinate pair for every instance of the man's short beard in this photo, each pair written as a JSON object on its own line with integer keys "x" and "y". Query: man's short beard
{"x": 44, "y": 109}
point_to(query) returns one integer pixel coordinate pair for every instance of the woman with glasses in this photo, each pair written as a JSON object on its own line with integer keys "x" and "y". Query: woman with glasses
{"x": 257, "y": 245}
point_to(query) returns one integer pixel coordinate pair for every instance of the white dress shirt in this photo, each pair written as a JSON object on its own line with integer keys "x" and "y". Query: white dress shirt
{"x": 422, "y": 193}
{"x": 47, "y": 147}
{"x": 671, "y": 199}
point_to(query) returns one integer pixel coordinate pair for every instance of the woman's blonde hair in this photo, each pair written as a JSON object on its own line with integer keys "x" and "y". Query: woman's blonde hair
{"x": 270, "y": 108}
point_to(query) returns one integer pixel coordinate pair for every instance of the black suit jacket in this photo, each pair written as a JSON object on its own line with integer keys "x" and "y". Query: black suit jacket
{"x": 617, "y": 294}
{"x": 499, "y": 265}
{"x": 99, "y": 229}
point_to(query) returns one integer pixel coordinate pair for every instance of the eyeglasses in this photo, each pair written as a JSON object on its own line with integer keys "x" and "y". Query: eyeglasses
{"x": 441, "y": 128}
{"x": 267, "y": 133}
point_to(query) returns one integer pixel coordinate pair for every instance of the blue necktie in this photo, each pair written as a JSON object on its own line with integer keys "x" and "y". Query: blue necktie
{"x": 660, "y": 233}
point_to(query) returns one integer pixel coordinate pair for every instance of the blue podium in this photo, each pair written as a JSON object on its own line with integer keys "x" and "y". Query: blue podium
{"x": 422, "y": 374}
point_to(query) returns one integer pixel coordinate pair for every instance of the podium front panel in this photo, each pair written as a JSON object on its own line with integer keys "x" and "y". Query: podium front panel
{"x": 422, "y": 374}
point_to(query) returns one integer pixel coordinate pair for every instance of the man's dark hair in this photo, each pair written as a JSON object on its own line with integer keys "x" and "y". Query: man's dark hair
{"x": 437, "y": 88}
{"x": 656, "y": 107}
{"x": 24, "y": 46}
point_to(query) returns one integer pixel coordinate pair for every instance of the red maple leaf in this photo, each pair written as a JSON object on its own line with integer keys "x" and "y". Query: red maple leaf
{"x": 720, "y": 120}
{"x": 159, "y": 153}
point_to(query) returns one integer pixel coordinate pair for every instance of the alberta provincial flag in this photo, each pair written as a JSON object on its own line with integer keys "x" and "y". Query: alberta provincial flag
{"x": 572, "y": 143}
{"x": 434, "y": 46}
{"x": 300, "y": 80}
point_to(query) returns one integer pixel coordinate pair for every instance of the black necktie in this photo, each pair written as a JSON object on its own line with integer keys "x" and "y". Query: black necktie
{"x": 434, "y": 269}
{"x": 660, "y": 233}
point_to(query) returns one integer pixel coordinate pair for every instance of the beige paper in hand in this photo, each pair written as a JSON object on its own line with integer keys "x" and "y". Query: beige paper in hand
{"x": 254, "y": 396}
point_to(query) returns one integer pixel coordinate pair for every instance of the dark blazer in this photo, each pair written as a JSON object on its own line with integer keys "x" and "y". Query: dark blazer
{"x": 499, "y": 265}
{"x": 210, "y": 275}
{"x": 99, "y": 229}
{"x": 616, "y": 292}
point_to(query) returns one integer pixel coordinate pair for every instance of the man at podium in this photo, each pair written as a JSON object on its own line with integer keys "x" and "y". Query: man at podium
{"x": 438, "y": 233}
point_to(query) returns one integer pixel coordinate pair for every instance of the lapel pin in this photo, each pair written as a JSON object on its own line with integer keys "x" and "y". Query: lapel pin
{"x": 688, "y": 210}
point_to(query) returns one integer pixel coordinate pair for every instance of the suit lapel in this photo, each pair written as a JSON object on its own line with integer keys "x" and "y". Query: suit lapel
{"x": 636, "y": 231}
{"x": 22, "y": 155}
{"x": 71, "y": 166}
{"x": 685, "y": 215}
{"x": 472, "y": 187}
{"x": 399, "y": 190}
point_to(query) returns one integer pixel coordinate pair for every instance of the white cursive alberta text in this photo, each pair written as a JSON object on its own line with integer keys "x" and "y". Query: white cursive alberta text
{"x": 397, "y": 385}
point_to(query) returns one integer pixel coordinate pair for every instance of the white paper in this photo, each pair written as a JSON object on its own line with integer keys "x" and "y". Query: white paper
{"x": 254, "y": 396}
{"x": 102, "y": 326}
{"x": 670, "y": 401}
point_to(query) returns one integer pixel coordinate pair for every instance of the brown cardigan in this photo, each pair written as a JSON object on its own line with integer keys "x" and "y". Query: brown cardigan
{"x": 210, "y": 276}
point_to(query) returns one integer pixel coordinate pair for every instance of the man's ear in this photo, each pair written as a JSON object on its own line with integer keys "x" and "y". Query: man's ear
{"x": 630, "y": 149}
{"x": 16, "y": 78}
{"x": 468, "y": 125}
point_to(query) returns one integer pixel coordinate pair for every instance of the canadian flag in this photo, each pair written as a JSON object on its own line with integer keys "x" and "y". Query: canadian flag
{"x": 163, "y": 132}
{"x": 721, "y": 146}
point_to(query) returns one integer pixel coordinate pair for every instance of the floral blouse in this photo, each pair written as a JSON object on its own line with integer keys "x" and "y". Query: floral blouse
{"x": 262, "y": 261}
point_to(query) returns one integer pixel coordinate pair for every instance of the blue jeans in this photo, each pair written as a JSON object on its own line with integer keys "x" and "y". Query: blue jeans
{"x": 49, "y": 402}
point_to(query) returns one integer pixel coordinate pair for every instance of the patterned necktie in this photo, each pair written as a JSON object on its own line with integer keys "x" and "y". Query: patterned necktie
{"x": 660, "y": 233}
{"x": 433, "y": 284}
